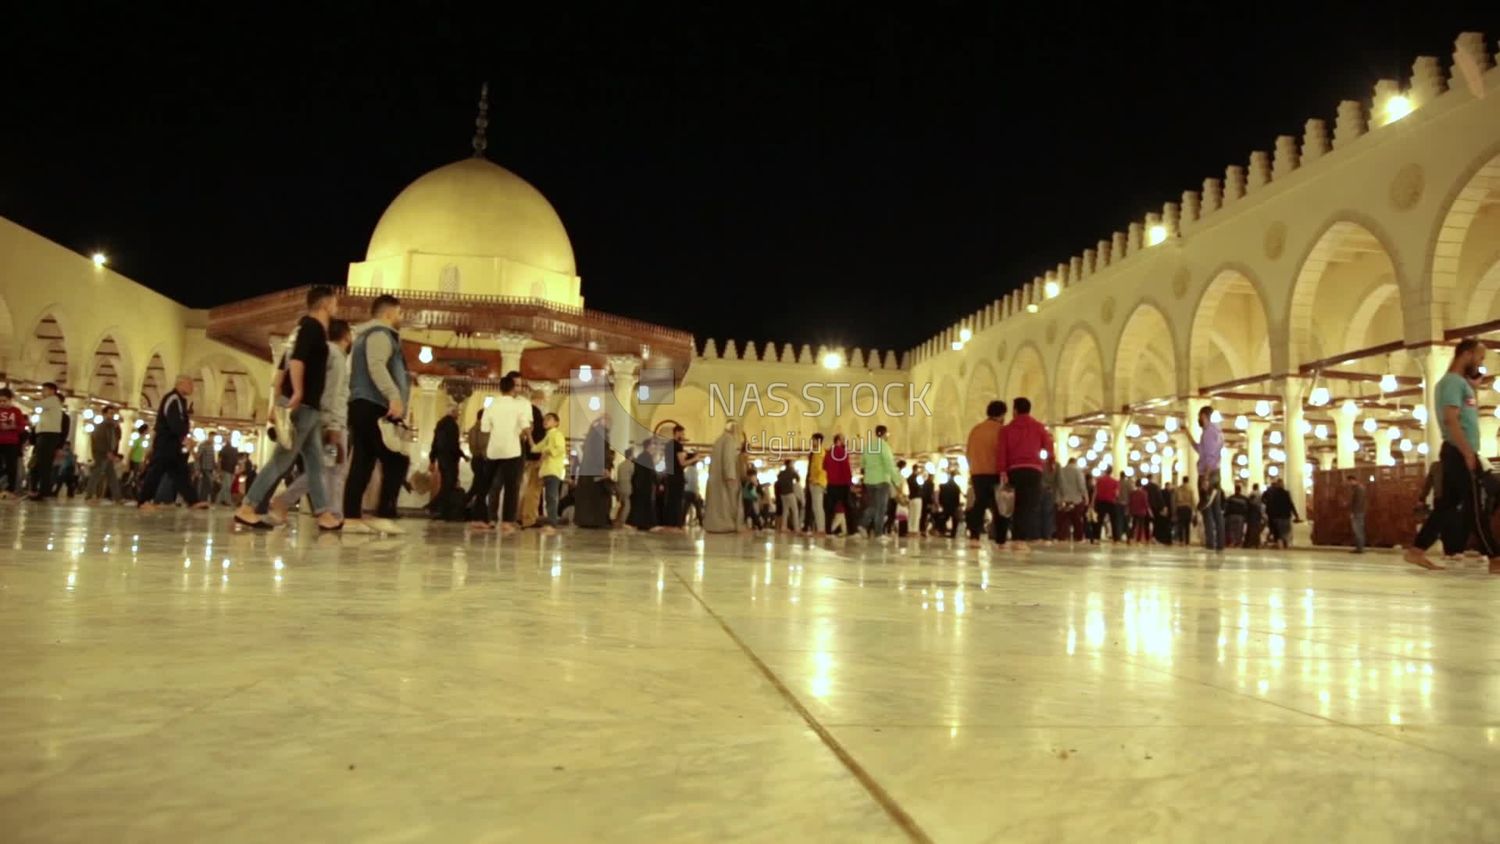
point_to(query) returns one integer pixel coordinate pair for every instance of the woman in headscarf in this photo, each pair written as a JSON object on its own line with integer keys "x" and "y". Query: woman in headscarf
{"x": 721, "y": 512}
{"x": 643, "y": 483}
{"x": 591, "y": 499}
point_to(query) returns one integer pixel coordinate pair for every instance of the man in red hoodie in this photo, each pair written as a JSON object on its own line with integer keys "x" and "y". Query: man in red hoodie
{"x": 1025, "y": 449}
{"x": 840, "y": 476}
{"x": 12, "y": 428}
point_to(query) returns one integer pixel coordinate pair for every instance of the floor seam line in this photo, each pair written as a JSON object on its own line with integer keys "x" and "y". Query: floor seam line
{"x": 883, "y": 798}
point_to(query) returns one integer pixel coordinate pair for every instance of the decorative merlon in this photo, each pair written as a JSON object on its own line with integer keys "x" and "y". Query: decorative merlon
{"x": 1349, "y": 125}
{"x": 1314, "y": 140}
{"x": 1234, "y": 183}
{"x": 1213, "y": 196}
{"x": 1260, "y": 170}
{"x": 1427, "y": 82}
{"x": 1189, "y": 209}
{"x": 1286, "y": 157}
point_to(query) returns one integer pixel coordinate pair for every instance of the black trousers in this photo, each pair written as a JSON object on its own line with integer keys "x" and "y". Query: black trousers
{"x": 448, "y": 500}
{"x": 479, "y": 488}
{"x": 674, "y": 501}
{"x": 43, "y": 453}
{"x": 1028, "y": 486}
{"x": 1460, "y": 505}
{"x": 507, "y": 484}
{"x": 366, "y": 448}
{"x": 10, "y": 468}
{"x": 833, "y": 496}
{"x": 985, "y": 500}
{"x": 172, "y": 462}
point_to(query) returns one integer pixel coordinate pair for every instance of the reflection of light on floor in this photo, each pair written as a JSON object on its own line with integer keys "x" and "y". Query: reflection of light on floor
{"x": 1072, "y": 640}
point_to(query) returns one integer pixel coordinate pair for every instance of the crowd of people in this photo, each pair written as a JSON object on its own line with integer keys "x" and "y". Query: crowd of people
{"x": 337, "y": 421}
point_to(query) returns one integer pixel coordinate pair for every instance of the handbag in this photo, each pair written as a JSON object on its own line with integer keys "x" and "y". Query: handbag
{"x": 279, "y": 426}
{"x": 393, "y": 435}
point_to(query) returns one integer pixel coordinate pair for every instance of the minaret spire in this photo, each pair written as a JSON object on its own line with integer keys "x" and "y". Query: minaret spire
{"x": 482, "y": 122}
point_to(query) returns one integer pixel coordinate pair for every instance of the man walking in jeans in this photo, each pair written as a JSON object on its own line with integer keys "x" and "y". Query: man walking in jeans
{"x": 984, "y": 467}
{"x": 1210, "y": 498}
{"x": 379, "y": 385}
{"x": 1457, "y": 412}
{"x": 299, "y": 386}
{"x": 1357, "y": 513}
{"x": 1026, "y": 448}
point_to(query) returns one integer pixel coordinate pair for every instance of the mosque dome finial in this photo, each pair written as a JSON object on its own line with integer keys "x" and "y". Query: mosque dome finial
{"x": 482, "y": 122}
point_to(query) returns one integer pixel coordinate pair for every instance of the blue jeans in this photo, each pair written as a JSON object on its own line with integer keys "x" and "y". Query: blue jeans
{"x": 877, "y": 496}
{"x": 307, "y": 442}
{"x": 1213, "y": 526}
{"x": 550, "y": 488}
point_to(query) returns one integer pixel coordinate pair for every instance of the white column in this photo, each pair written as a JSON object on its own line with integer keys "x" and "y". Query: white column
{"x": 1255, "y": 445}
{"x": 1227, "y": 468}
{"x": 1344, "y": 419}
{"x": 1434, "y": 361}
{"x": 1489, "y": 429}
{"x": 75, "y": 406}
{"x": 623, "y": 370}
{"x": 1190, "y": 424}
{"x": 1294, "y": 441}
{"x": 425, "y": 417}
{"x": 512, "y": 345}
{"x": 1060, "y": 435}
{"x": 1119, "y": 444}
{"x": 1326, "y": 459}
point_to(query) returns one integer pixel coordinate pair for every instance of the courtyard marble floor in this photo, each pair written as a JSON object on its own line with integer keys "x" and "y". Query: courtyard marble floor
{"x": 163, "y": 677}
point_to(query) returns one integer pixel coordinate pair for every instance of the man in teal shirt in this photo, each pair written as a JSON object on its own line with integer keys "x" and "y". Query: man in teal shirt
{"x": 1457, "y": 415}
{"x": 879, "y": 467}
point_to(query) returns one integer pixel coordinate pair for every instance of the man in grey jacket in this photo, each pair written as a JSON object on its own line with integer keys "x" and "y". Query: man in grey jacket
{"x": 1072, "y": 502}
{"x": 379, "y": 386}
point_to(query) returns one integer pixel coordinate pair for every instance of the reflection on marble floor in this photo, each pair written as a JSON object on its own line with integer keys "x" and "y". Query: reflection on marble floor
{"x": 167, "y": 678}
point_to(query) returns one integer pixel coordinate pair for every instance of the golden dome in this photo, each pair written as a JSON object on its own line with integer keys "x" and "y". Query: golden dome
{"x": 474, "y": 208}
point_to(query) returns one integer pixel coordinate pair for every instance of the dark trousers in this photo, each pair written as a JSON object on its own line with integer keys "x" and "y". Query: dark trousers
{"x": 507, "y": 487}
{"x": 694, "y": 502}
{"x": 10, "y": 467}
{"x": 479, "y": 488}
{"x": 449, "y": 504}
{"x": 1459, "y": 505}
{"x": 674, "y": 501}
{"x": 1105, "y": 510}
{"x": 43, "y": 453}
{"x": 834, "y": 496}
{"x": 1184, "y": 525}
{"x": 985, "y": 487}
{"x": 366, "y": 448}
{"x": 1071, "y": 522}
{"x": 167, "y": 460}
{"x": 1028, "y": 486}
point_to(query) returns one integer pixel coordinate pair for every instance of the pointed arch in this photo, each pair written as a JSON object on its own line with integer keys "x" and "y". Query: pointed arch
{"x": 1462, "y": 247}
{"x": 1145, "y": 362}
{"x": 983, "y": 388}
{"x": 1081, "y": 376}
{"x": 1028, "y": 377}
{"x": 1346, "y": 263}
{"x": 1230, "y": 332}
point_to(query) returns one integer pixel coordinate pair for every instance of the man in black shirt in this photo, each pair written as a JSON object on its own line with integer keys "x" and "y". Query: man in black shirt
{"x": 299, "y": 382}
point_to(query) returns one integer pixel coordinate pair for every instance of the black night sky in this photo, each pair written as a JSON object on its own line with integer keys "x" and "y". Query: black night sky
{"x": 832, "y": 173}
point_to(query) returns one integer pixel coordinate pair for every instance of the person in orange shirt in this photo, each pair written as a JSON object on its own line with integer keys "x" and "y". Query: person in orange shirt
{"x": 984, "y": 462}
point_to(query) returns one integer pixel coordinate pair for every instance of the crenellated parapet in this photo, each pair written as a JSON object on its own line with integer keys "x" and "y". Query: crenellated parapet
{"x": 1241, "y": 186}
{"x": 790, "y": 355}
